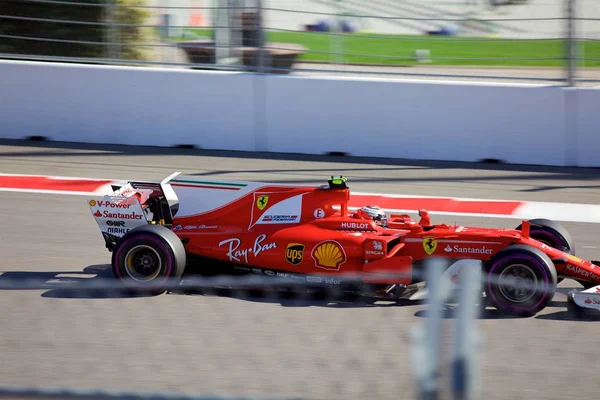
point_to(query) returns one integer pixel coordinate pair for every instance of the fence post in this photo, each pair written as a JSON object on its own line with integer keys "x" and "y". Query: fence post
{"x": 571, "y": 44}
{"x": 260, "y": 37}
{"x": 109, "y": 30}
{"x": 426, "y": 338}
{"x": 466, "y": 366}
{"x": 260, "y": 81}
{"x": 336, "y": 37}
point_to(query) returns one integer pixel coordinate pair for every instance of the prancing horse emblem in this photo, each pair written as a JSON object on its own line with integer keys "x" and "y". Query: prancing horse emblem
{"x": 261, "y": 202}
{"x": 430, "y": 244}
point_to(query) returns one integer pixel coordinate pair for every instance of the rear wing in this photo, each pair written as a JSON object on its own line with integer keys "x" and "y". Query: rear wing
{"x": 132, "y": 204}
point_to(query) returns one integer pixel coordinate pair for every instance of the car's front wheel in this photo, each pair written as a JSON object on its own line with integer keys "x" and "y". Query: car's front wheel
{"x": 520, "y": 280}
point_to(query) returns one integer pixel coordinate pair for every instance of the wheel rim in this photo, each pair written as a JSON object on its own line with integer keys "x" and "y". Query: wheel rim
{"x": 518, "y": 283}
{"x": 143, "y": 263}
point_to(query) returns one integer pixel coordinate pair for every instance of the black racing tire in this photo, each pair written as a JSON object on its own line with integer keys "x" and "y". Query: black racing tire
{"x": 553, "y": 234}
{"x": 511, "y": 267}
{"x": 148, "y": 257}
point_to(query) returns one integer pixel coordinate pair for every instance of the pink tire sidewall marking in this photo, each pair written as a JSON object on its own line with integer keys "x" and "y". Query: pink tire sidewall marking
{"x": 504, "y": 260}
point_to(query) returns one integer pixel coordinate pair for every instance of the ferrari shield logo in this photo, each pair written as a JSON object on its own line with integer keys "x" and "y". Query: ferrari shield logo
{"x": 430, "y": 244}
{"x": 261, "y": 202}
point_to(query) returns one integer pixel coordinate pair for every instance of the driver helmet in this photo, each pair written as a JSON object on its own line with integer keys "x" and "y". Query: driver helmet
{"x": 375, "y": 213}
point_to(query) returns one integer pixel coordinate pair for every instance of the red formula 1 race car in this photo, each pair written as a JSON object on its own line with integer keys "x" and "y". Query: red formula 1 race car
{"x": 157, "y": 229}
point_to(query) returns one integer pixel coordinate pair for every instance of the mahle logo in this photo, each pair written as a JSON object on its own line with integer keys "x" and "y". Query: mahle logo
{"x": 294, "y": 253}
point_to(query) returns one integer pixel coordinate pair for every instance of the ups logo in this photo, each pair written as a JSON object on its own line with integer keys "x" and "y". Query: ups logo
{"x": 294, "y": 253}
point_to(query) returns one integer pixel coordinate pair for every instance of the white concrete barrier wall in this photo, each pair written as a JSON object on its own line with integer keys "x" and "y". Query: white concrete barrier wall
{"x": 587, "y": 133}
{"x": 140, "y": 106}
{"x": 411, "y": 119}
{"x": 529, "y": 124}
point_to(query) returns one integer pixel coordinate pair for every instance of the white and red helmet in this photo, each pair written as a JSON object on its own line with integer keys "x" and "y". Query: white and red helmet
{"x": 376, "y": 213}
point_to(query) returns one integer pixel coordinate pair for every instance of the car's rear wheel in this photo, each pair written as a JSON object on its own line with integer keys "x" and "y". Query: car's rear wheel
{"x": 520, "y": 280}
{"x": 148, "y": 257}
{"x": 551, "y": 233}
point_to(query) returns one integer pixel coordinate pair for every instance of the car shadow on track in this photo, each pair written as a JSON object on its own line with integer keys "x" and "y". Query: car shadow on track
{"x": 451, "y": 311}
{"x": 329, "y": 299}
{"x": 100, "y": 286}
{"x": 587, "y": 316}
{"x": 98, "y": 282}
{"x": 296, "y": 298}
{"x": 89, "y": 283}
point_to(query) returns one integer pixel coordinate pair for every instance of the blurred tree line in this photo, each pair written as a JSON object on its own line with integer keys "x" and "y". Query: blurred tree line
{"x": 99, "y": 13}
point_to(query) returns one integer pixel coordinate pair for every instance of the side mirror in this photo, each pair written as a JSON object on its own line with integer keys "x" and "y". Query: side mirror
{"x": 425, "y": 220}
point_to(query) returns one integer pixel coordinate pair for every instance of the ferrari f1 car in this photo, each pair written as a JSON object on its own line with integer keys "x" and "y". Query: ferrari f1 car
{"x": 157, "y": 229}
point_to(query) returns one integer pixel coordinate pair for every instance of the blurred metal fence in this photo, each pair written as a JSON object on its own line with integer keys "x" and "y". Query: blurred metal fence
{"x": 546, "y": 40}
{"x": 255, "y": 337}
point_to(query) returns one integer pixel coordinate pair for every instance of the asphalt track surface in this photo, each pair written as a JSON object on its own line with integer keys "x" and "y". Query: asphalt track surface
{"x": 198, "y": 344}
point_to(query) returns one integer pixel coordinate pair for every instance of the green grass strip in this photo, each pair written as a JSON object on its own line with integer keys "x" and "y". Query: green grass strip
{"x": 379, "y": 49}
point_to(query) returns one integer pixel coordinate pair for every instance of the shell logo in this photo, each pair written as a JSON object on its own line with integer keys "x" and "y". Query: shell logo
{"x": 329, "y": 255}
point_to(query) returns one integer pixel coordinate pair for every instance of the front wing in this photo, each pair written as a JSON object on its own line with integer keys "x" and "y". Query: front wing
{"x": 589, "y": 298}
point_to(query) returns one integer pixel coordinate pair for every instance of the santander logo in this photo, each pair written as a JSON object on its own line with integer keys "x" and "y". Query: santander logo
{"x": 457, "y": 248}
